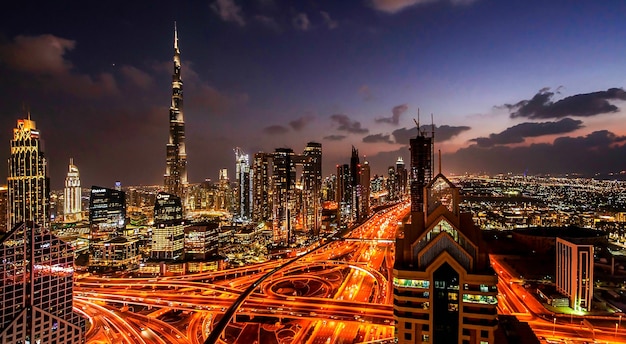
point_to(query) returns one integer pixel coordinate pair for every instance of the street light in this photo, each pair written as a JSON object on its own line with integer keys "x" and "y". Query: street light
{"x": 554, "y": 326}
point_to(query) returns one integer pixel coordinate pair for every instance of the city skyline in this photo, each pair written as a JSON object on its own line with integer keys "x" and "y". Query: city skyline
{"x": 513, "y": 87}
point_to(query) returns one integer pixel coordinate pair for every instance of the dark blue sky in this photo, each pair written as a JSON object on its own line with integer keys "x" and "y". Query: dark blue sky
{"x": 512, "y": 85}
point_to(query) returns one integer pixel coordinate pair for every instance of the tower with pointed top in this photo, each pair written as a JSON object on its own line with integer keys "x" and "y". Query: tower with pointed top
{"x": 72, "y": 206}
{"x": 175, "y": 177}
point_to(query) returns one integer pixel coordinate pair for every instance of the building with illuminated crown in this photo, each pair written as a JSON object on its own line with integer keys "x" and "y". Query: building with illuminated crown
{"x": 28, "y": 183}
{"x": 72, "y": 195}
{"x": 175, "y": 178}
{"x": 36, "y": 288}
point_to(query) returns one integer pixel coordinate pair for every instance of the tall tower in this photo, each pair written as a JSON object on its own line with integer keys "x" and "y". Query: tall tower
{"x": 244, "y": 184}
{"x": 355, "y": 179}
{"x": 421, "y": 167}
{"x": 72, "y": 206}
{"x": 365, "y": 189}
{"x": 176, "y": 162}
{"x": 444, "y": 288}
{"x": 312, "y": 185}
{"x": 28, "y": 182}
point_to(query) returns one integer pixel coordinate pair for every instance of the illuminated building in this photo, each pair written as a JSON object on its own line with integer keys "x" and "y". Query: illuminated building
{"x": 262, "y": 187}
{"x": 311, "y": 186}
{"x": 28, "y": 182}
{"x": 176, "y": 161}
{"x": 365, "y": 187}
{"x": 201, "y": 241}
{"x": 421, "y": 148}
{"x": 117, "y": 253}
{"x": 36, "y": 289}
{"x": 344, "y": 192}
{"x": 574, "y": 273}
{"x": 72, "y": 201}
{"x": 284, "y": 181}
{"x": 355, "y": 200}
{"x": 402, "y": 176}
{"x": 107, "y": 212}
{"x": 168, "y": 236}
{"x": 224, "y": 201}
{"x": 244, "y": 185}
{"x": 444, "y": 287}
{"x": 3, "y": 209}
{"x": 280, "y": 197}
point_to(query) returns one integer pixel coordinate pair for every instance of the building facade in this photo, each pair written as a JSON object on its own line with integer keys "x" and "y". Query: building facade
{"x": 244, "y": 185}
{"x": 36, "y": 296}
{"x": 72, "y": 195}
{"x": 444, "y": 287}
{"x": 201, "y": 241}
{"x": 28, "y": 183}
{"x": 421, "y": 173}
{"x": 168, "y": 236}
{"x": 574, "y": 273}
{"x": 107, "y": 213}
{"x": 175, "y": 178}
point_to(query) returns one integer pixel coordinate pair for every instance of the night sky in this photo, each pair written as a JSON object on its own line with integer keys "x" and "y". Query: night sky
{"x": 513, "y": 86}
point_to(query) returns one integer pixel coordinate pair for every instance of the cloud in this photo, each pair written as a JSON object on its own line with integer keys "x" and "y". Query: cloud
{"x": 442, "y": 133}
{"x": 346, "y": 124}
{"x": 300, "y": 123}
{"x": 275, "y": 130}
{"x": 598, "y": 152}
{"x": 580, "y": 105}
{"x": 377, "y": 138}
{"x": 330, "y": 24}
{"x": 229, "y": 11}
{"x": 395, "y": 6}
{"x": 43, "y": 59}
{"x": 268, "y": 22}
{"x": 366, "y": 92}
{"x": 301, "y": 22}
{"x": 335, "y": 137}
{"x": 517, "y": 133}
{"x": 44, "y": 54}
{"x": 397, "y": 111}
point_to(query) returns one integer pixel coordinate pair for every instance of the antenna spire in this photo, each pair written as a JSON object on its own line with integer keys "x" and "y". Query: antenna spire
{"x": 175, "y": 37}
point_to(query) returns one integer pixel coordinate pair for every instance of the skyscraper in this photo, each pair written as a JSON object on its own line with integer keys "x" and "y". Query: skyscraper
{"x": 365, "y": 189}
{"x": 312, "y": 185}
{"x": 72, "y": 206}
{"x": 28, "y": 182}
{"x": 176, "y": 161}
{"x": 421, "y": 148}
{"x": 244, "y": 185}
{"x": 36, "y": 288}
{"x": 284, "y": 182}
{"x": 444, "y": 287}
{"x": 168, "y": 236}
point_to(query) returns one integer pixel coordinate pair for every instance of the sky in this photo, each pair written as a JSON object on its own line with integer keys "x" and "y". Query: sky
{"x": 511, "y": 86}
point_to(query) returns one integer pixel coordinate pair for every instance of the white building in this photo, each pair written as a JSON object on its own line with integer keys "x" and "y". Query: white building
{"x": 72, "y": 206}
{"x": 574, "y": 273}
